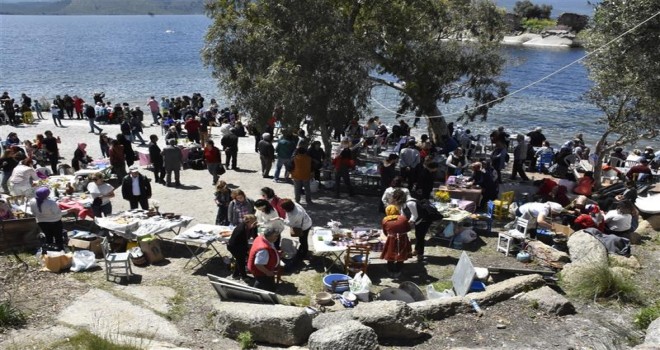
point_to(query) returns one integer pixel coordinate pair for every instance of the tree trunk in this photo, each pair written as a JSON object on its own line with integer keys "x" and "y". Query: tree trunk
{"x": 326, "y": 138}
{"x": 600, "y": 152}
{"x": 437, "y": 125}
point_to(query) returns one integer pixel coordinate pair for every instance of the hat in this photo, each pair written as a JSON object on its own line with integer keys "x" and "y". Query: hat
{"x": 133, "y": 169}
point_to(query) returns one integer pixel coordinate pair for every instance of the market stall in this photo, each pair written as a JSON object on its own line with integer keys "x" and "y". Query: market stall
{"x": 137, "y": 223}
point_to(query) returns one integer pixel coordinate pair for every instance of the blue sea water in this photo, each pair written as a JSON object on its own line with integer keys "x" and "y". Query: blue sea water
{"x": 133, "y": 57}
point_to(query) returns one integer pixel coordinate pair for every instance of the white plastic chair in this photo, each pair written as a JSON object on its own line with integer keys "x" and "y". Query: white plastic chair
{"x": 506, "y": 240}
{"x": 116, "y": 264}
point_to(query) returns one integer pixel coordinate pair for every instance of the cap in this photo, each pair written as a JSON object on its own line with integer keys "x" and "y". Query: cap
{"x": 133, "y": 169}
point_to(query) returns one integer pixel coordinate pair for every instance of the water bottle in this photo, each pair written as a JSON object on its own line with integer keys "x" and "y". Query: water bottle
{"x": 476, "y": 307}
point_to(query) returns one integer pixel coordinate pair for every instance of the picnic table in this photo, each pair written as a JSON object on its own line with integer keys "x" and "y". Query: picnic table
{"x": 201, "y": 237}
{"x": 134, "y": 224}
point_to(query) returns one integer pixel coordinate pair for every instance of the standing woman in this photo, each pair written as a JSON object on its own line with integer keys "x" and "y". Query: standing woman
{"x": 49, "y": 217}
{"x": 397, "y": 247}
{"x": 300, "y": 223}
{"x": 116, "y": 155}
{"x": 101, "y": 192}
{"x": 238, "y": 244}
{"x": 222, "y": 200}
{"x": 318, "y": 158}
{"x": 239, "y": 207}
{"x": 80, "y": 157}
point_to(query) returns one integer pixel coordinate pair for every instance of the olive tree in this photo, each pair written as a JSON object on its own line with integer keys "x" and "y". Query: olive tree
{"x": 299, "y": 55}
{"x": 626, "y": 73}
{"x": 438, "y": 50}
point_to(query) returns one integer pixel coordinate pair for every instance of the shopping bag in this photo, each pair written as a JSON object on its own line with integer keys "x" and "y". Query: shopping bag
{"x": 83, "y": 260}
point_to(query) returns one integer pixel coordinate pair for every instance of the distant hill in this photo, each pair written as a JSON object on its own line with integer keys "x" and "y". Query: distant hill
{"x": 103, "y": 7}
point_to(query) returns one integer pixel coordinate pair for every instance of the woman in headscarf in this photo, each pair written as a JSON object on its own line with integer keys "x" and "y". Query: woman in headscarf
{"x": 80, "y": 157}
{"x": 49, "y": 217}
{"x": 397, "y": 247}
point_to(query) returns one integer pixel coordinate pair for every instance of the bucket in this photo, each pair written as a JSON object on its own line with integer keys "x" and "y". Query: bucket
{"x": 334, "y": 278}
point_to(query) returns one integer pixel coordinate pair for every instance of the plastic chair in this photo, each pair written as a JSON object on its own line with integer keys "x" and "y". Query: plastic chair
{"x": 631, "y": 163}
{"x": 116, "y": 264}
{"x": 486, "y": 217}
{"x": 544, "y": 161}
{"x": 616, "y": 162}
{"x": 506, "y": 241}
{"x": 501, "y": 209}
{"x": 356, "y": 258}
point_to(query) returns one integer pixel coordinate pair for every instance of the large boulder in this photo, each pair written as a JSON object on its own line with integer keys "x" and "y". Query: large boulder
{"x": 349, "y": 335}
{"x": 645, "y": 227}
{"x": 504, "y": 290}
{"x": 573, "y": 20}
{"x": 437, "y": 309}
{"x": 549, "y": 301}
{"x": 653, "y": 333}
{"x": 548, "y": 256}
{"x": 273, "y": 324}
{"x": 390, "y": 319}
{"x": 584, "y": 247}
{"x": 328, "y": 319}
{"x": 653, "y": 221}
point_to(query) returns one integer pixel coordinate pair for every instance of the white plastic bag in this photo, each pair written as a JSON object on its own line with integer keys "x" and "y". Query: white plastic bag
{"x": 83, "y": 260}
{"x": 431, "y": 293}
{"x": 314, "y": 186}
{"x": 466, "y": 236}
{"x": 360, "y": 283}
{"x": 449, "y": 230}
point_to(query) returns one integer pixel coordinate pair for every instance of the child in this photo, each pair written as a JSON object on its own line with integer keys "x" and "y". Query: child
{"x": 37, "y": 108}
{"x": 222, "y": 199}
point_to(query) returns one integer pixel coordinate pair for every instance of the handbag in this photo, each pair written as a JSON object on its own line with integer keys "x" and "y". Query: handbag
{"x": 296, "y": 231}
{"x": 221, "y": 169}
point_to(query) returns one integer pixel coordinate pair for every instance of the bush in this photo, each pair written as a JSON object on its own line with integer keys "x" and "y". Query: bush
{"x": 600, "y": 282}
{"x": 535, "y": 25}
{"x": 245, "y": 340}
{"x": 526, "y": 9}
{"x": 647, "y": 315}
{"x": 10, "y": 316}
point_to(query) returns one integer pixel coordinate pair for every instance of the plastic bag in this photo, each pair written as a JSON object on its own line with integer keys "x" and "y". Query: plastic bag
{"x": 360, "y": 283}
{"x": 449, "y": 230}
{"x": 83, "y": 260}
{"x": 431, "y": 293}
{"x": 466, "y": 236}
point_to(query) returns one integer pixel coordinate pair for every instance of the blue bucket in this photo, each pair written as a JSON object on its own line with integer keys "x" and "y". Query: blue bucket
{"x": 327, "y": 281}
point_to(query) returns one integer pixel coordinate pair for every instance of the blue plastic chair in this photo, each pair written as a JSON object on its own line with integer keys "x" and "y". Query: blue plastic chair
{"x": 487, "y": 216}
{"x": 544, "y": 161}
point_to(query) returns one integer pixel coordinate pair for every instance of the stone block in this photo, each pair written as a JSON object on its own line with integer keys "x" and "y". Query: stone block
{"x": 548, "y": 255}
{"x": 437, "y": 309}
{"x": 504, "y": 290}
{"x": 390, "y": 319}
{"x": 350, "y": 335}
{"x": 273, "y": 324}
{"x": 549, "y": 301}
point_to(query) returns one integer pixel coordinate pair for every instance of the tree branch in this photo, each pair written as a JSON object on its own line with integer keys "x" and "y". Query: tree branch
{"x": 387, "y": 83}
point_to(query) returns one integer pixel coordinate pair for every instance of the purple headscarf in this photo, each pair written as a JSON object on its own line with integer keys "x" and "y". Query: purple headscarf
{"x": 41, "y": 195}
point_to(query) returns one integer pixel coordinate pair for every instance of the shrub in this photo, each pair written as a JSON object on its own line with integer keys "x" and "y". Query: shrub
{"x": 535, "y": 25}
{"x": 245, "y": 340}
{"x": 87, "y": 340}
{"x": 647, "y": 315}
{"x": 10, "y": 316}
{"x": 600, "y": 282}
{"x": 526, "y": 9}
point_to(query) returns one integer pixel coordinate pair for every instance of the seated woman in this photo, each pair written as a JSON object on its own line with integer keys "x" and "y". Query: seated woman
{"x": 610, "y": 200}
{"x": 620, "y": 220}
{"x": 484, "y": 179}
{"x": 20, "y": 181}
{"x": 397, "y": 248}
{"x": 585, "y": 184}
{"x": 238, "y": 244}
{"x": 80, "y": 158}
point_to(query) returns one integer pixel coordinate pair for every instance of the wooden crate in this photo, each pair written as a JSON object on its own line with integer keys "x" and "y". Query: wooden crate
{"x": 19, "y": 234}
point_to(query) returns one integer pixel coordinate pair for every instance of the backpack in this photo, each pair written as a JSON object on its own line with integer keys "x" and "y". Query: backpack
{"x": 425, "y": 211}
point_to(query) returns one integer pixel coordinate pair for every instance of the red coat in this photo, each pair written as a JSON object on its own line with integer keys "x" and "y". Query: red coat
{"x": 260, "y": 243}
{"x": 397, "y": 247}
{"x": 212, "y": 155}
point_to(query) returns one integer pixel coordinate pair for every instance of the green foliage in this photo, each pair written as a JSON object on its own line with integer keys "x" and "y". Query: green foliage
{"x": 526, "y": 9}
{"x": 597, "y": 281}
{"x": 245, "y": 340}
{"x": 535, "y": 25}
{"x": 10, "y": 316}
{"x": 442, "y": 285}
{"x": 647, "y": 315}
{"x": 85, "y": 340}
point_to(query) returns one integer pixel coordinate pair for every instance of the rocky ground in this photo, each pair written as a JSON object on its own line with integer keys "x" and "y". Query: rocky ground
{"x": 168, "y": 307}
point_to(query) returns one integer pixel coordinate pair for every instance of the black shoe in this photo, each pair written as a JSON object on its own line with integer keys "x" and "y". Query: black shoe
{"x": 169, "y": 184}
{"x": 178, "y": 184}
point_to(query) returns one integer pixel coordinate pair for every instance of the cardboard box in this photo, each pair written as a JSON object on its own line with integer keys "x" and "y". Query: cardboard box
{"x": 57, "y": 261}
{"x": 150, "y": 247}
{"x": 562, "y": 229}
{"x": 93, "y": 245}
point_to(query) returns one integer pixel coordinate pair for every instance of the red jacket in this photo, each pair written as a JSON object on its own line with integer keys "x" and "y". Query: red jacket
{"x": 212, "y": 155}
{"x": 192, "y": 126}
{"x": 260, "y": 243}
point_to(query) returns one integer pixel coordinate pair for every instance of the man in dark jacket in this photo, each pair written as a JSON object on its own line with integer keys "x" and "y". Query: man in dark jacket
{"x": 266, "y": 153}
{"x": 90, "y": 113}
{"x": 229, "y": 144}
{"x": 156, "y": 160}
{"x": 136, "y": 188}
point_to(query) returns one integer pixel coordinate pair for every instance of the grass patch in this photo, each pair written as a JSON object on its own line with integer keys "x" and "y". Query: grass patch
{"x": 647, "y": 315}
{"x": 177, "y": 307}
{"x": 596, "y": 282}
{"x": 535, "y": 25}
{"x": 245, "y": 340}
{"x": 442, "y": 285}
{"x": 10, "y": 316}
{"x": 299, "y": 300}
{"x": 85, "y": 340}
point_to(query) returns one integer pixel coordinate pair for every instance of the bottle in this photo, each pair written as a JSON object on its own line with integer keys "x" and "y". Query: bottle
{"x": 476, "y": 307}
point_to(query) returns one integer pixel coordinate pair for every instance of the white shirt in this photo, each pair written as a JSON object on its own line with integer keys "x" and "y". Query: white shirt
{"x": 49, "y": 212}
{"x": 23, "y": 176}
{"x": 387, "y": 195}
{"x": 618, "y": 222}
{"x": 97, "y": 191}
{"x": 298, "y": 218}
{"x": 262, "y": 256}
{"x": 265, "y": 220}
{"x": 136, "y": 185}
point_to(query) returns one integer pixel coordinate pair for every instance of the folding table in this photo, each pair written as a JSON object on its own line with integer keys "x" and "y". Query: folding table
{"x": 201, "y": 237}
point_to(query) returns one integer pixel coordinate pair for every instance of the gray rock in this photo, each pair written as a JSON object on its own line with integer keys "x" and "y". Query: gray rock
{"x": 549, "y": 301}
{"x": 629, "y": 263}
{"x": 548, "y": 256}
{"x": 390, "y": 319}
{"x": 653, "y": 333}
{"x": 328, "y": 319}
{"x": 350, "y": 335}
{"x": 273, "y": 324}
{"x": 504, "y": 290}
{"x": 437, "y": 309}
{"x": 584, "y": 247}
{"x": 645, "y": 227}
